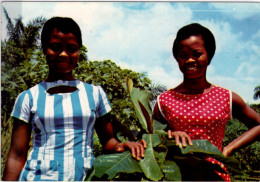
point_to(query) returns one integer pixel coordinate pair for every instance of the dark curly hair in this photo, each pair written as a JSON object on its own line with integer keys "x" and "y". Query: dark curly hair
{"x": 63, "y": 24}
{"x": 195, "y": 29}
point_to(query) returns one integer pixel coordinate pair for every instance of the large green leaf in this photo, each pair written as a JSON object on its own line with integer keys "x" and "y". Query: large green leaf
{"x": 158, "y": 126}
{"x": 231, "y": 163}
{"x": 199, "y": 146}
{"x": 140, "y": 100}
{"x": 205, "y": 147}
{"x": 129, "y": 84}
{"x": 143, "y": 97}
{"x": 136, "y": 97}
{"x": 147, "y": 116}
{"x": 154, "y": 139}
{"x": 160, "y": 153}
{"x": 195, "y": 167}
{"x": 112, "y": 164}
{"x": 135, "y": 94}
{"x": 150, "y": 167}
{"x": 171, "y": 171}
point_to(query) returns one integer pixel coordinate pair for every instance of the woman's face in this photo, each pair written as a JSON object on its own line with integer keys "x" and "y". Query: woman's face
{"x": 62, "y": 52}
{"x": 192, "y": 57}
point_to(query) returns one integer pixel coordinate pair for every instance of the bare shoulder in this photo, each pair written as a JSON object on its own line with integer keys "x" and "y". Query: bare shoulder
{"x": 237, "y": 101}
{"x": 243, "y": 112}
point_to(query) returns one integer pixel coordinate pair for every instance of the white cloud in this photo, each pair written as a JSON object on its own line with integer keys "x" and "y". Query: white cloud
{"x": 250, "y": 67}
{"x": 244, "y": 87}
{"x": 238, "y": 11}
{"x": 142, "y": 39}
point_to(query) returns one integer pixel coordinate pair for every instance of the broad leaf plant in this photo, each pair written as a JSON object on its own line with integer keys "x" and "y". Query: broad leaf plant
{"x": 163, "y": 159}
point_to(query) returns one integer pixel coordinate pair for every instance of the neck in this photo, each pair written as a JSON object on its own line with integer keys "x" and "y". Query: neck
{"x": 55, "y": 76}
{"x": 194, "y": 86}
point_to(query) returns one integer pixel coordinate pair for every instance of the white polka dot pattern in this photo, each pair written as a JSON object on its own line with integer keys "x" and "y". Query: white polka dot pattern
{"x": 202, "y": 116}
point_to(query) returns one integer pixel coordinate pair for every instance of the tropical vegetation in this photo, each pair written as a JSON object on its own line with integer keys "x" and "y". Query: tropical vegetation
{"x": 23, "y": 65}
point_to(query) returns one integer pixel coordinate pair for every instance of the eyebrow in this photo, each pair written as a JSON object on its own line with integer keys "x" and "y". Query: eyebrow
{"x": 197, "y": 50}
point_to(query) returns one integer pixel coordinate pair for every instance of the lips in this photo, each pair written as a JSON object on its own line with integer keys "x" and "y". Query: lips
{"x": 64, "y": 61}
{"x": 191, "y": 67}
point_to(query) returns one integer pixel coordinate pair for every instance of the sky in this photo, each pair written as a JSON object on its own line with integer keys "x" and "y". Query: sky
{"x": 139, "y": 36}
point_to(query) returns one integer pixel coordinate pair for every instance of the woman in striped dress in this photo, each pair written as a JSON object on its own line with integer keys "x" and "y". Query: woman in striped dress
{"x": 62, "y": 113}
{"x": 197, "y": 109}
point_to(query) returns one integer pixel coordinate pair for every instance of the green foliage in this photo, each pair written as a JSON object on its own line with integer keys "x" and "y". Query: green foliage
{"x": 21, "y": 59}
{"x": 248, "y": 156}
{"x": 23, "y": 65}
{"x": 6, "y": 131}
{"x": 112, "y": 78}
{"x": 163, "y": 159}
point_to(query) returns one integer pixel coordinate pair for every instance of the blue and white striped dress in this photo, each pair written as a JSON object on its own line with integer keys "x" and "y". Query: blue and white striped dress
{"x": 63, "y": 127}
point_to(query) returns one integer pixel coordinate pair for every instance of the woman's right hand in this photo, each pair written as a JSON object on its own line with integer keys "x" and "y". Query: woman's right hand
{"x": 181, "y": 137}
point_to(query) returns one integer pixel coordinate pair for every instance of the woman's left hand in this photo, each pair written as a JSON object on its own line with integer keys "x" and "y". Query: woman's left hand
{"x": 136, "y": 148}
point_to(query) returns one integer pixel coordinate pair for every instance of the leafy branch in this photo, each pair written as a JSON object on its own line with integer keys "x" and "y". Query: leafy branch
{"x": 163, "y": 158}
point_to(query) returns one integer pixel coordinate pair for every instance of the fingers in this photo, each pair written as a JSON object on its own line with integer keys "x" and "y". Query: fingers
{"x": 120, "y": 148}
{"x": 142, "y": 147}
{"x": 137, "y": 149}
{"x": 143, "y": 142}
{"x": 181, "y": 138}
{"x": 169, "y": 134}
{"x": 189, "y": 140}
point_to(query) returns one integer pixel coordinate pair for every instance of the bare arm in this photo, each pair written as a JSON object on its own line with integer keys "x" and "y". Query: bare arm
{"x": 250, "y": 118}
{"x": 104, "y": 130}
{"x": 18, "y": 151}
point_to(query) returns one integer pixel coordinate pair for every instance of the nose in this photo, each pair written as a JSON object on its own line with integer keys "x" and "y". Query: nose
{"x": 190, "y": 60}
{"x": 63, "y": 53}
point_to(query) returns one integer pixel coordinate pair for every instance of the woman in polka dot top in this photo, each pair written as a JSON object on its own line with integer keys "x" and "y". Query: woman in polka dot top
{"x": 196, "y": 109}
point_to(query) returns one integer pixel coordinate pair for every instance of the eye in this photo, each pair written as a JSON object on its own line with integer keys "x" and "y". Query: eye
{"x": 72, "y": 48}
{"x": 197, "y": 54}
{"x": 183, "y": 56}
{"x": 55, "y": 47}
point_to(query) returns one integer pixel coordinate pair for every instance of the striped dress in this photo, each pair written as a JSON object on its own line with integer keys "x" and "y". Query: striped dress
{"x": 63, "y": 127}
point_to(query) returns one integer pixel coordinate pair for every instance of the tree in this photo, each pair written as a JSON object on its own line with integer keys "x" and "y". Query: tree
{"x": 22, "y": 40}
{"x": 112, "y": 79}
{"x": 156, "y": 89}
{"x": 18, "y": 54}
{"x": 24, "y": 65}
{"x": 257, "y": 93}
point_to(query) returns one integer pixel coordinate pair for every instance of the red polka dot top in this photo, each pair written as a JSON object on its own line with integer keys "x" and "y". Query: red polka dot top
{"x": 202, "y": 116}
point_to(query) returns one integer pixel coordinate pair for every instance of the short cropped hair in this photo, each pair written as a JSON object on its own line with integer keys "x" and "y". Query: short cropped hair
{"x": 63, "y": 24}
{"x": 195, "y": 29}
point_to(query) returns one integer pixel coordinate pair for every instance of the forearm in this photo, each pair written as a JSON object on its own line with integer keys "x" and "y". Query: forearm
{"x": 18, "y": 151}
{"x": 245, "y": 139}
{"x": 111, "y": 145}
{"x": 14, "y": 166}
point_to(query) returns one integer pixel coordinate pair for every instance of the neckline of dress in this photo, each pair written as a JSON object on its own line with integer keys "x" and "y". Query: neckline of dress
{"x": 193, "y": 95}
{"x": 58, "y": 83}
